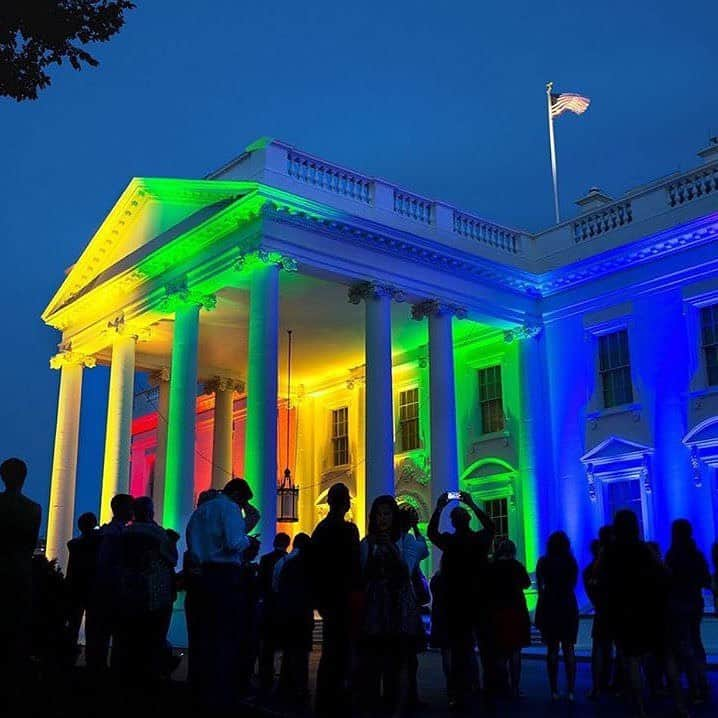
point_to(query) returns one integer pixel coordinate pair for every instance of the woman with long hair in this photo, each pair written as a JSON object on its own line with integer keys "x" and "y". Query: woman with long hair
{"x": 557, "y": 609}
{"x": 391, "y": 617}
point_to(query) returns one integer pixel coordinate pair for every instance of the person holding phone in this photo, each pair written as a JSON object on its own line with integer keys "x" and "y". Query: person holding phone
{"x": 464, "y": 562}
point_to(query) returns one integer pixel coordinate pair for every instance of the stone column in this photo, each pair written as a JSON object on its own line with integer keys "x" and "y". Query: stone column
{"x": 61, "y": 512}
{"x": 223, "y": 389}
{"x": 118, "y": 434}
{"x": 181, "y": 429}
{"x": 442, "y": 392}
{"x": 161, "y": 379}
{"x": 379, "y": 396}
{"x": 260, "y": 459}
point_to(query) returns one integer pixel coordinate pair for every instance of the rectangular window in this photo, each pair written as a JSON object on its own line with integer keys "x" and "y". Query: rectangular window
{"x": 615, "y": 369}
{"x": 624, "y": 495}
{"x": 409, "y": 419}
{"x": 498, "y": 511}
{"x": 340, "y": 436}
{"x": 490, "y": 399}
{"x": 709, "y": 342}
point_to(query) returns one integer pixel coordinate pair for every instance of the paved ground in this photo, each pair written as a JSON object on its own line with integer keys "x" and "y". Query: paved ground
{"x": 69, "y": 695}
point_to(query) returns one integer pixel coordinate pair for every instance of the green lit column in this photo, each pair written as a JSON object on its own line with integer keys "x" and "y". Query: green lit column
{"x": 534, "y": 457}
{"x": 260, "y": 459}
{"x": 61, "y": 509}
{"x": 179, "y": 466}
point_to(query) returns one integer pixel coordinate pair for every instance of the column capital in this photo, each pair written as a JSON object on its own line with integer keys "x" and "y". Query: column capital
{"x": 119, "y": 327}
{"x": 523, "y": 331}
{"x": 435, "y": 308}
{"x": 223, "y": 383}
{"x": 373, "y": 290}
{"x": 67, "y": 357}
{"x": 247, "y": 260}
{"x": 179, "y": 295}
{"x": 160, "y": 376}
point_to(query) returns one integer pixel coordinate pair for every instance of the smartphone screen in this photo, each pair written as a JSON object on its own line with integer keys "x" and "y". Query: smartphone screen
{"x": 454, "y": 495}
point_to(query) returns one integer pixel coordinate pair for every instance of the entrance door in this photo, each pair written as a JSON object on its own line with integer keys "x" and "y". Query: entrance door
{"x": 625, "y": 494}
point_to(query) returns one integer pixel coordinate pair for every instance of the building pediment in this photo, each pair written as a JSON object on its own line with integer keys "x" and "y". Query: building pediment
{"x": 149, "y": 213}
{"x": 704, "y": 434}
{"x": 615, "y": 450}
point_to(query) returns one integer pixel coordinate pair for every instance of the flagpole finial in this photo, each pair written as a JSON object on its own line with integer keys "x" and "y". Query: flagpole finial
{"x": 549, "y": 87}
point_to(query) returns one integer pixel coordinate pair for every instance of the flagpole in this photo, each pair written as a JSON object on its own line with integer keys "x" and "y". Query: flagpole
{"x": 552, "y": 143}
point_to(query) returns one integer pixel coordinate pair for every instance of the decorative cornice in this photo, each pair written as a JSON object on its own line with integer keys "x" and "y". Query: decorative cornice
{"x": 178, "y": 295}
{"x": 224, "y": 383}
{"x": 247, "y": 260}
{"x": 361, "y": 291}
{"x": 525, "y": 331}
{"x": 66, "y": 357}
{"x": 435, "y": 308}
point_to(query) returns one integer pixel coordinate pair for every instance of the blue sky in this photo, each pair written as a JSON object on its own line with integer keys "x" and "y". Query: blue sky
{"x": 447, "y": 99}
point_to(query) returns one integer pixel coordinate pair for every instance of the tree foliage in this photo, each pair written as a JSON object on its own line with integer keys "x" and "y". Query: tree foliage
{"x": 35, "y": 34}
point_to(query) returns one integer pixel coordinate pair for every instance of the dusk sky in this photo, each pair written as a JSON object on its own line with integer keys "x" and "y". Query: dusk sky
{"x": 447, "y": 99}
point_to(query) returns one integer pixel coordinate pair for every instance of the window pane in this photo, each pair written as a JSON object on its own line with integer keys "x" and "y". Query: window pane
{"x": 615, "y": 369}
{"x": 498, "y": 511}
{"x": 490, "y": 400}
{"x": 625, "y": 495}
{"x": 709, "y": 337}
{"x": 340, "y": 436}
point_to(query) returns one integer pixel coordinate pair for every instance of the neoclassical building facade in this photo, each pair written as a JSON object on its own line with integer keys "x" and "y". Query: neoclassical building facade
{"x": 555, "y": 376}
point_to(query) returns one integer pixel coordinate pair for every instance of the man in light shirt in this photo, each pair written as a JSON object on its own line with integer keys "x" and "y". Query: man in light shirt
{"x": 217, "y": 537}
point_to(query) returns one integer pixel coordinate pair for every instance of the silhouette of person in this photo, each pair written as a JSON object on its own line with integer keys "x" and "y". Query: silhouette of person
{"x": 414, "y": 550}
{"x": 557, "y": 609}
{"x": 635, "y": 586}
{"x": 464, "y": 561}
{"x": 336, "y": 576}
{"x": 391, "y": 617}
{"x": 269, "y": 638}
{"x": 295, "y": 619}
{"x": 510, "y": 624}
{"x": 81, "y": 571}
{"x": 689, "y": 575}
{"x": 19, "y": 527}
{"x": 147, "y": 593}
{"x": 102, "y": 614}
{"x": 601, "y": 636}
{"x": 216, "y": 541}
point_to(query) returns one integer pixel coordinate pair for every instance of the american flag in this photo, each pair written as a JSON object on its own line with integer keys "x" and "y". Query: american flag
{"x": 568, "y": 101}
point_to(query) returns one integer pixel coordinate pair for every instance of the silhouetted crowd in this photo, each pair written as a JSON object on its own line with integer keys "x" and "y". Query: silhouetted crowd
{"x": 378, "y": 611}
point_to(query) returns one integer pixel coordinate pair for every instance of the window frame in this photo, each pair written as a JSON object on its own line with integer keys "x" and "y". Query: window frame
{"x": 340, "y": 442}
{"x": 708, "y": 366}
{"x": 505, "y": 517}
{"x": 607, "y": 374}
{"x": 406, "y": 421}
{"x": 485, "y": 403}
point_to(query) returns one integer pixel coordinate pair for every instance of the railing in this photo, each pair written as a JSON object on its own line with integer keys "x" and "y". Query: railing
{"x": 606, "y": 220}
{"x": 413, "y": 207}
{"x": 329, "y": 177}
{"x": 695, "y": 185}
{"x": 492, "y": 235}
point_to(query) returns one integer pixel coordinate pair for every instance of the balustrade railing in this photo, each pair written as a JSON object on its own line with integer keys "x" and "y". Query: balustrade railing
{"x": 605, "y": 220}
{"x": 692, "y": 186}
{"x": 413, "y": 207}
{"x": 492, "y": 235}
{"x": 329, "y": 177}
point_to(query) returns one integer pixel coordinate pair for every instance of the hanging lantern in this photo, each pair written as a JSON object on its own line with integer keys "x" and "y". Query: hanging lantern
{"x": 287, "y": 500}
{"x": 287, "y": 492}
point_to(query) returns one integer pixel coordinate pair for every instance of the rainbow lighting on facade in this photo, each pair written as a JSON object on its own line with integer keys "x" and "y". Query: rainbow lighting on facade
{"x": 555, "y": 376}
